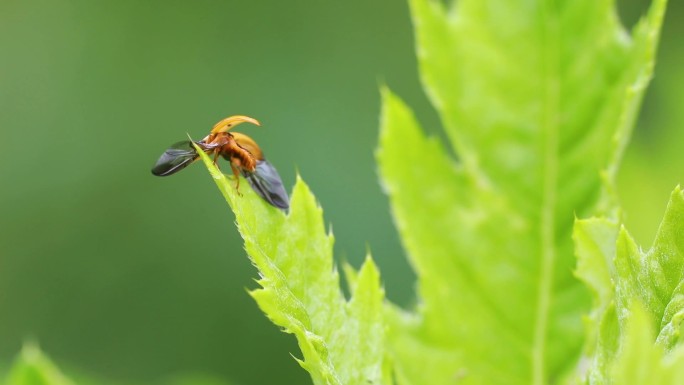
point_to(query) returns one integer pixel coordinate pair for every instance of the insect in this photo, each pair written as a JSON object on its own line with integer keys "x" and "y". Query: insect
{"x": 240, "y": 150}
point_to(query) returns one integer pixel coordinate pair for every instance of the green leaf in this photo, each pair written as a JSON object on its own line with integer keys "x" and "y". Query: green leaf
{"x": 641, "y": 362}
{"x": 342, "y": 341}
{"x": 595, "y": 248}
{"x": 538, "y": 99}
{"x": 34, "y": 368}
{"x": 632, "y": 287}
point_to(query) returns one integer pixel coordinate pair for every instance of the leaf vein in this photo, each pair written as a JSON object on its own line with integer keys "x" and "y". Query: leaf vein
{"x": 550, "y": 130}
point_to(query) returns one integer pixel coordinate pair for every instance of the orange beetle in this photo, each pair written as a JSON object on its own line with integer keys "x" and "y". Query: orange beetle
{"x": 244, "y": 155}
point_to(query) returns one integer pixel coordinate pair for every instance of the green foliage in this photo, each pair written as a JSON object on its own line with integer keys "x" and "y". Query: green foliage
{"x": 538, "y": 100}
{"x": 641, "y": 362}
{"x": 33, "y": 368}
{"x": 635, "y": 294}
{"x": 342, "y": 341}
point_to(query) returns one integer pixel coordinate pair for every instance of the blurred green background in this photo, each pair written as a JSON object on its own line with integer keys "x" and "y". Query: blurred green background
{"x": 112, "y": 270}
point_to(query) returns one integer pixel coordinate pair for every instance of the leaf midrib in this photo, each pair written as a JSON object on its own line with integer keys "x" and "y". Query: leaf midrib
{"x": 550, "y": 127}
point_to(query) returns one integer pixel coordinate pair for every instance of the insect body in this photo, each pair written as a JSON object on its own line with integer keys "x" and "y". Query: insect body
{"x": 240, "y": 150}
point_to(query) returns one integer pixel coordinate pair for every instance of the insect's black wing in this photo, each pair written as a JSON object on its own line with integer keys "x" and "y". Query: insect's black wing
{"x": 175, "y": 158}
{"x": 266, "y": 182}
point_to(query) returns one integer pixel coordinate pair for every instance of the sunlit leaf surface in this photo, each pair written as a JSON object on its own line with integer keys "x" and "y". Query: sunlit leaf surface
{"x": 537, "y": 99}
{"x": 33, "y": 368}
{"x": 639, "y": 303}
{"x": 342, "y": 341}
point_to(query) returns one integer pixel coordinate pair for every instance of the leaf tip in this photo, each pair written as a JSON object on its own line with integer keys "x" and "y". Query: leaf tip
{"x": 368, "y": 277}
{"x": 302, "y": 195}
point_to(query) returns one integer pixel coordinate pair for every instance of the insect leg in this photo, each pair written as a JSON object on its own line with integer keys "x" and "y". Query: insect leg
{"x": 236, "y": 174}
{"x": 216, "y": 155}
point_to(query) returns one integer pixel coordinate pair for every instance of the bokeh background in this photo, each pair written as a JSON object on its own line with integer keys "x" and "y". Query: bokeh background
{"x": 129, "y": 278}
